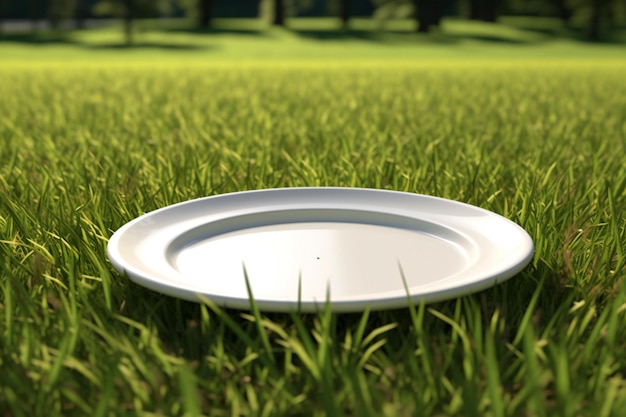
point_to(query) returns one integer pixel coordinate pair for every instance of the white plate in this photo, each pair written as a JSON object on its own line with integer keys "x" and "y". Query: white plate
{"x": 301, "y": 246}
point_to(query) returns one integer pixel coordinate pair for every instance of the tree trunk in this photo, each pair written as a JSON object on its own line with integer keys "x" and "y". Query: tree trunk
{"x": 80, "y": 14}
{"x": 595, "y": 20}
{"x": 490, "y": 10}
{"x": 34, "y": 9}
{"x": 206, "y": 9}
{"x": 129, "y": 16}
{"x": 423, "y": 17}
{"x": 436, "y": 12}
{"x": 475, "y": 9}
{"x": 279, "y": 12}
{"x": 2, "y": 6}
{"x": 485, "y": 10}
{"x": 54, "y": 17}
{"x": 345, "y": 13}
{"x": 565, "y": 13}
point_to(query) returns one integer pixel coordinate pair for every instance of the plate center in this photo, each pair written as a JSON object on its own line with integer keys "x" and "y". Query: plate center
{"x": 352, "y": 259}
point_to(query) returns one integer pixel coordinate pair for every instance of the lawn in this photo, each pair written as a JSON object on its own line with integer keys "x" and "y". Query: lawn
{"x": 315, "y": 39}
{"x": 92, "y": 137}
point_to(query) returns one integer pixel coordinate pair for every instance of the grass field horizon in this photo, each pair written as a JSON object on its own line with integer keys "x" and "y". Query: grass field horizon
{"x": 515, "y": 38}
{"x": 92, "y": 138}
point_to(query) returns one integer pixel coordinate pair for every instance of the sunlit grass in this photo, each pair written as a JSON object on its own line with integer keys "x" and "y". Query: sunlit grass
{"x": 87, "y": 147}
{"x": 515, "y": 39}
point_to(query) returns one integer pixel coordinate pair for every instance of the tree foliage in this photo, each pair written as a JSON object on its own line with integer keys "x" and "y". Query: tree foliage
{"x": 59, "y": 10}
{"x": 596, "y": 15}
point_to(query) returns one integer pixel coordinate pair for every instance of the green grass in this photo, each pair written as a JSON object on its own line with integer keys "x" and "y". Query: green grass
{"x": 86, "y": 147}
{"x": 241, "y": 39}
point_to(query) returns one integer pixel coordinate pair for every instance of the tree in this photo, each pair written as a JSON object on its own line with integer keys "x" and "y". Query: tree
{"x": 36, "y": 12}
{"x": 2, "y": 6}
{"x": 436, "y": 12}
{"x": 58, "y": 10}
{"x": 276, "y": 12}
{"x": 427, "y": 13}
{"x": 563, "y": 10}
{"x": 342, "y": 9}
{"x": 205, "y": 8}
{"x": 598, "y": 18}
{"x": 130, "y": 10}
{"x": 129, "y": 17}
{"x": 80, "y": 14}
{"x": 344, "y": 13}
{"x": 485, "y": 10}
{"x": 422, "y": 15}
{"x": 474, "y": 9}
{"x": 279, "y": 13}
{"x": 490, "y": 12}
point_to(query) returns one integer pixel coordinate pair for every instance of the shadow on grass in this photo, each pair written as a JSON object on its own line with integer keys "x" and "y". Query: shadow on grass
{"x": 555, "y": 32}
{"x": 346, "y": 34}
{"x": 38, "y": 38}
{"x": 148, "y": 45}
{"x": 614, "y": 35}
{"x": 217, "y": 31}
{"x": 396, "y": 36}
{"x": 494, "y": 39}
{"x": 50, "y": 38}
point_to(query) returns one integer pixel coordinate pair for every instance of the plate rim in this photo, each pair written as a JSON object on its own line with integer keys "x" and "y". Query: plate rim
{"x": 179, "y": 291}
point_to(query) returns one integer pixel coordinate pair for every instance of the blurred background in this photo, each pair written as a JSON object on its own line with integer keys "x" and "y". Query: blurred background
{"x": 580, "y": 20}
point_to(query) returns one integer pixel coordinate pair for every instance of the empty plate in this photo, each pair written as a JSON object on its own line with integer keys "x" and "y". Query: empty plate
{"x": 296, "y": 248}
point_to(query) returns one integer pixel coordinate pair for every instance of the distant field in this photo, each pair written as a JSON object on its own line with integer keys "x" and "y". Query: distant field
{"x": 514, "y": 38}
{"x": 86, "y": 147}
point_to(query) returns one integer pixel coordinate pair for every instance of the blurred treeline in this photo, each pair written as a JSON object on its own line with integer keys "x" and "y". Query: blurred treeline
{"x": 598, "y": 17}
